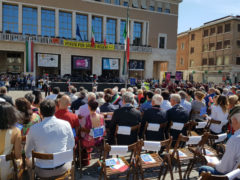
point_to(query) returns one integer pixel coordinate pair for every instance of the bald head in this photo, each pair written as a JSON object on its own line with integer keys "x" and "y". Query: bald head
{"x": 64, "y": 102}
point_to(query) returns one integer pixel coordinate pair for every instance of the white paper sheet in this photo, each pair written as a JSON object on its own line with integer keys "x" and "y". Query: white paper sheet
{"x": 193, "y": 140}
{"x": 177, "y": 126}
{"x": 124, "y": 130}
{"x": 2, "y": 157}
{"x": 153, "y": 127}
{"x": 221, "y": 138}
{"x": 118, "y": 150}
{"x": 62, "y": 157}
{"x": 211, "y": 159}
{"x": 234, "y": 174}
{"x": 201, "y": 125}
{"x": 152, "y": 146}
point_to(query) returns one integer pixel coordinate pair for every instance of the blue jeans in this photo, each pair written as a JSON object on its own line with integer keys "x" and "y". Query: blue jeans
{"x": 208, "y": 169}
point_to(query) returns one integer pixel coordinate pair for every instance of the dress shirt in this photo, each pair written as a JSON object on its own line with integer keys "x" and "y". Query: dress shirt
{"x": 52, "y": 135}
{"x": 186, "y": 105}
{"x": 145, "y": 106}
{"x": 166, "y": 105}
{"x": 231, "y": 157}
{"x": 52, "y": 96}
{"x": 68, "y": 116}
{"x": 73, "y": 97}
{"x": 219, "y": 115}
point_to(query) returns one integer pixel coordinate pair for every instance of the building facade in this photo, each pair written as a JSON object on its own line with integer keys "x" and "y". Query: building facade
{"x": 45, "y": 37}
{"x": 214, "y": 51}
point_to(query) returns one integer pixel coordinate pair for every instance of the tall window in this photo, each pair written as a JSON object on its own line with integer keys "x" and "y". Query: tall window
{"x": 151, "y": 8}
{"x": 82, "y": 23}
{"x": 65, "y": 24}
{"x": 10, "y": 18}
{"x": 238, "y": 27}
{"x": 29, "y": 20}
{"x": 167, "y": 11}
{"x": 227, "y": 27}
{"x": 162, "y": 41}
{"x": 117, "y": 2}
{"x": 111, "y": 31}
{"x": 137, "y": 34}
{"x": 97, "y": 28}
{"x": 205, "y": 33}
{"x": 48, "y": 22}
{"x": 122, "y": 28}
{"x": 125, "y": 3}
{"x": 107, "y": 1}
{"x": 212, "y": 31}
{"x": 159, "y": 9}
{"x": 219, "y": 29}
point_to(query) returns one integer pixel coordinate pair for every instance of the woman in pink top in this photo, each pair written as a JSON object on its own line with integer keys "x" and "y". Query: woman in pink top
{"x": 93, "y": 121}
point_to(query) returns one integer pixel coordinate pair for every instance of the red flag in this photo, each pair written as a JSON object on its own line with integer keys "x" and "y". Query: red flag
{"x": 105, "y": 43}
{"x": 93, "y": 39}
{"x": 128, "y": 49}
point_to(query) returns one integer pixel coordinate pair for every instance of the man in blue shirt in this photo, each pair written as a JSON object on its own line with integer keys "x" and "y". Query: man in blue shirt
{"x": 185, "y": 104}
{"x": 211, "y": 93}
{"x": 148, "y": 104}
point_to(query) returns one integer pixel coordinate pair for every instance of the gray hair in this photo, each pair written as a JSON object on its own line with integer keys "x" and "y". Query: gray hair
{"x": 91, "y": 96}
{"x": 130, "y": 89}
{"x": 100, "y": 94}
{"x": 176, "y": 98}
{"x": 83, "y": 94}
{"x": 237, "y": 117}
{"x": 182, "y": 94}
{"x": 157, "y": 99}
{"x": 128, "y": 97}
{"x": 158, "y": 91}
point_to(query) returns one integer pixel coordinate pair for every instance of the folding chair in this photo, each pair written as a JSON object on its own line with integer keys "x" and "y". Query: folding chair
{"x": 122, "y": 151}
{"x": 157, "y": 161}
{"x": 230, "y": 176}
{"x": 131, "y": 130}
{"x": 156, "y": 128}
{"x": 210, "y": 122}
{"x": 184, "y": 154}
{"x": 17, "y": 171}
{"x": 199, "y": 128}
{"x": 43, "y": 156}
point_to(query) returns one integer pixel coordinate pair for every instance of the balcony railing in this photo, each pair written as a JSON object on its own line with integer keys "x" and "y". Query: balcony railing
{"x": 60, "y": 41}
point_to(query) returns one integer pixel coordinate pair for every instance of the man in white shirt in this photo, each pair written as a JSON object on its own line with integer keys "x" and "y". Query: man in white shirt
{"x": 166, "y": 105}
{"x": 83, "y": 111}
{"x": 56, "y": 91}
{"x": 231, "y": 158}
{"x": 52, "y": 135}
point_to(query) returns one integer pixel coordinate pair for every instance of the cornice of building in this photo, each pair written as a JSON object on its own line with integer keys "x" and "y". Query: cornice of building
{"x": 210, "y": 23}
{"x": 170, "y": 1}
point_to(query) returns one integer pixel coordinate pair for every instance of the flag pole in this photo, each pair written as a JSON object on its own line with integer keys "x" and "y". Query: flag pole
{"x": 125, "y": 52}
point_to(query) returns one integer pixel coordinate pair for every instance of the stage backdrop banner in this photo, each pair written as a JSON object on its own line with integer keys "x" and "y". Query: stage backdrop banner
{"x": 136, "y": 65}
{"x": 88, "y": 45}
{"x": 81, "y": 62}
{"x": 110, "y": 64}
{"x": 47, "y": 60}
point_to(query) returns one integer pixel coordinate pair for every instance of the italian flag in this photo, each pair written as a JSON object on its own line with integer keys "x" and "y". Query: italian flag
{"x": 29, "y": 56}
{"x": 92, "y": 39}
{"x": 127, "y": 47}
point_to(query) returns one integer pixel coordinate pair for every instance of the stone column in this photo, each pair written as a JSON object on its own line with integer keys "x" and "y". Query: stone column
{"x": 20, "y": 18}
{"x": 89, "y": 27}
{"x": 131, "y": 31}
{"x": 118, "y": 30}
{"x": 1, "y": 10}
{"x": 73, "y": 24}
{"x": 104, "y": 27}
{"x": 56, "y": 22}
{"x": 39, "y": 14}
{"x": 144, "y": 33}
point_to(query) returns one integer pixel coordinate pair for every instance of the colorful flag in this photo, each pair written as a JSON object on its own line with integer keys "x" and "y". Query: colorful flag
{"x": 29, "y": 56}
{"x": 93, "y": 39}
{"x": 78, "y": 32}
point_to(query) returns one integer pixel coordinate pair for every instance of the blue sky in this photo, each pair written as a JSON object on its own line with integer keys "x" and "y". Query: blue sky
{"x": 193, "y": 13}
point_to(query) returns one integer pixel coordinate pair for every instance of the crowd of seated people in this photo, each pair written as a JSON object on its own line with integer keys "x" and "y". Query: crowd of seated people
{"x": 58, "y": 122}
